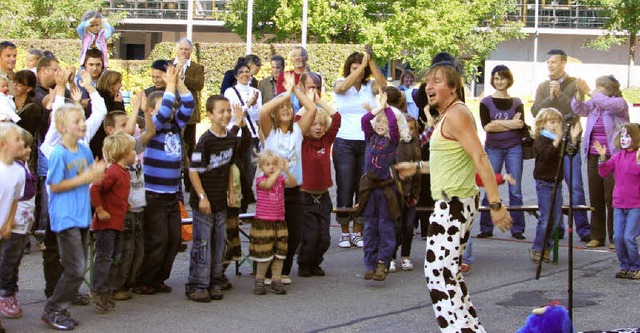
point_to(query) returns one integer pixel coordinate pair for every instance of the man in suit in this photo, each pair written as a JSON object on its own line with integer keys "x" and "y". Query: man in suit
{"x": 557, "y": 92}
{"x": 192, "y": 74}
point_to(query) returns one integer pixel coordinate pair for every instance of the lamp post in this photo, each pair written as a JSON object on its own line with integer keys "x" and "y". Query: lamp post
{"x": 249, "y": 24}
{"x": 305, "y": 8}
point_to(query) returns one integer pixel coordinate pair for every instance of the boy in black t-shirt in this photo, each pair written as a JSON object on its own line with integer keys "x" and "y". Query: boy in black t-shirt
{"x": 209, "y": 173}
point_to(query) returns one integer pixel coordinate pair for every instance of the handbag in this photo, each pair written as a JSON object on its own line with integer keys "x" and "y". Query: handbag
{"x": 527, "y": 143}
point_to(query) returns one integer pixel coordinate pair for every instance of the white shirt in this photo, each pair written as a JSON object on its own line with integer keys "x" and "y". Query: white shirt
{"x": 246, "y": 93}
{"x": 351, "y": 108}
{"x": 288, "y": 146}
{"x": 11, "y": 188}
{"x": 184, "y": 67}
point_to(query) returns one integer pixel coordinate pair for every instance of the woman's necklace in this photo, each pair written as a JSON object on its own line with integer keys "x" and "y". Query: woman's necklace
{"x": 446, "y": 109}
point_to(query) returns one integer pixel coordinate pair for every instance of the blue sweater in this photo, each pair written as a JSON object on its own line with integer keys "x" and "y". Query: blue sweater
{"x": 163, "y": 155}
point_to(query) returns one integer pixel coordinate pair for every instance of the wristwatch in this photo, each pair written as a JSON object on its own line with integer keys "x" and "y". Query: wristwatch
{"x": 495, "y": 205}
{"x": 202, "y": 196}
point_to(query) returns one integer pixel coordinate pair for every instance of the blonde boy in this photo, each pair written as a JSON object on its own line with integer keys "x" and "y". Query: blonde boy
{"x": 71, "y": 170}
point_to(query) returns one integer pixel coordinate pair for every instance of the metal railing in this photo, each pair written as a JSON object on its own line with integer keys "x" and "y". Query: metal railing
{"x": 558, "y": 14}
{"x": 209, "y": 10}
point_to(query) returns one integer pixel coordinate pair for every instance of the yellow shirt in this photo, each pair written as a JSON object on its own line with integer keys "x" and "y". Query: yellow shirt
{"x": 452, "y": 169}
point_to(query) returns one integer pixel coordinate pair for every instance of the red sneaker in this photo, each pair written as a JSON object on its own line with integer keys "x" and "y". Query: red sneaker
{"x": 9, "y": 307}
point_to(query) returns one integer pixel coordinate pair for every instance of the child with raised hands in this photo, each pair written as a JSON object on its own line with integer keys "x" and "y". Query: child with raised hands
{"x": 94, "y": 31}
{"x": 109, "y": 196}
{"x": 625, "y": 165}
{"x": 378, "y": 193}
{"x": 548, "y": 134}
{"x": 269, "y": 236}
{"x": 314, "y": 191}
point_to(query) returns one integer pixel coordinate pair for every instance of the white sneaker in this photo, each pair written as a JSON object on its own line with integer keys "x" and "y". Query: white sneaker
{"x": 267, "y": 281}
{"x": 406, "y": 264}
{"x": 356, "y": 240}
{"x": 344, "y": 241}
{"x": 392, "y": 266}
{"x": 285, "y": 279}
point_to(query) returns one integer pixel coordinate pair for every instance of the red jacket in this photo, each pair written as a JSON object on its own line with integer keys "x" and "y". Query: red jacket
{"x": 316, "y": 158}
{"x": 112, "y": 193}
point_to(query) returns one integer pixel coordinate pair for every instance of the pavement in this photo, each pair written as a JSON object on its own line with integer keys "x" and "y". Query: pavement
{"x": 501, "y": 282}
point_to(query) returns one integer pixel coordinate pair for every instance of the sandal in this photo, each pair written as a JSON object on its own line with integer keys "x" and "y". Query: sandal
{"x": 464, "y": 268}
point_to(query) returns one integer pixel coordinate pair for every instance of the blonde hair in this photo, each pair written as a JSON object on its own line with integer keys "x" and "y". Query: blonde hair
{"x": 543, "y": 117}
{"x": 4, "y": 78}
{"x": 6, "y": 128}
{"x": 403, "y": 127}
{"x": 117, "y": 146}
{"x": 266, "y": 155}
{"x": 324, "y": 118}
{"x": 62, "y": 114}
{"x": 26, "y": 137}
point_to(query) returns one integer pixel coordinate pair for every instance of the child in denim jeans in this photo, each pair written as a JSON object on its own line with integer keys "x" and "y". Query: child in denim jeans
{"x": 625, "y": 164}
{"x": 548, "y": 134}
{"x": 13, "y": 185}
{"x": 211, "y": 163}
{"x": 109, "y": 196}
{"x": 13, "y": 247}
{"x": 71, "y": 170}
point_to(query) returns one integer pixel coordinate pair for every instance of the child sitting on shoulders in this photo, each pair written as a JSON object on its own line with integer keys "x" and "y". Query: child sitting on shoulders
{"x": 269, "y": 236}
{"x": 625, "y": 165}
{"x": 7, "y": 106}
{"x": 94, "y": 31}
{"x": 548, "y": 134}
{"x": 314, "y": 191}
{"x": 109, "y": 196}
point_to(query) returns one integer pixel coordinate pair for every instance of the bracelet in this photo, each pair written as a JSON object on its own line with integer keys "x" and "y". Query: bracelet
{"x": 418, "y": 166}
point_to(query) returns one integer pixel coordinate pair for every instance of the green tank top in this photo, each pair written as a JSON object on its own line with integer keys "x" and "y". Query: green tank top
{"x": 452, "y": 170}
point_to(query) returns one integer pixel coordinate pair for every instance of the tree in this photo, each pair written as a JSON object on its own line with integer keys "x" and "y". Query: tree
{"x": 46, "y": 19}
{"x": 416, "y": 30}
{"x": 622, "y": 16}
{"x": 409, "y": 30}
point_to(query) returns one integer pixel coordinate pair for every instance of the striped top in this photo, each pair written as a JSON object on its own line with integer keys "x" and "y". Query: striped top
{"x": 452, "y": 170}
{"x": 270, "y": 203}
{"x": 163, "y": 155}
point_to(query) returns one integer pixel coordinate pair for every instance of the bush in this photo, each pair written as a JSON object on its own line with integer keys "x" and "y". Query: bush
{"x": 632, "y": 95}
{"x": 217, "y": 58}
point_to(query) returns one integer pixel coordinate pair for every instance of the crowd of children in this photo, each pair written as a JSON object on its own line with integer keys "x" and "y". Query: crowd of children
{"x": 131, "y": 200}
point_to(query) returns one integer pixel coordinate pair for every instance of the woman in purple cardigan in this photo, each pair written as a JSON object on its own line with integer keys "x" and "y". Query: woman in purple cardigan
{"x": 605, "y": 108}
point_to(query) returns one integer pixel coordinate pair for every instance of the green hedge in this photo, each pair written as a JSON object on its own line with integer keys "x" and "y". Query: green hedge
{"x": 217, "y": 58}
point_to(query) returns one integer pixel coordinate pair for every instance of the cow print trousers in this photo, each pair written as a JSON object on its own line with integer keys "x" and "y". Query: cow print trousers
{"x": 449, "y": 230}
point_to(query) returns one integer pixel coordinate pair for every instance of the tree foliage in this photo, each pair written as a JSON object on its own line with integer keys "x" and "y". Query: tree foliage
{"x": 52, "y": 19}
{"x": 410, "y": 30}
{"x": 622, "y": 17}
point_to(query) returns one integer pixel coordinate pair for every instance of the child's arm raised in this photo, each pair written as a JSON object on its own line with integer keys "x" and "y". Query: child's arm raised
{"x": 187, "y": 107}
{"x": 308, "y": 103}
{"x": 98, "y": 107}
{"x": 264, "y": 115}
{"x": 394, "y": 132}
{"x": 291, "y": 180}
{"x": 268, "y": 183}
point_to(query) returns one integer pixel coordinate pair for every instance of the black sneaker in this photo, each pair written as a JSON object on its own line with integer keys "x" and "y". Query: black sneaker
{"x": 68, "y": 314}
{"x": 317, "y": 271}
{"x": 58, "y": 320}
{"x": 226, "y": 284}
{"x": 484, "y": 234}
{"x": 81, "y": 299}
{"x": 518, "y": 235}
{"x": 304, "y": 271}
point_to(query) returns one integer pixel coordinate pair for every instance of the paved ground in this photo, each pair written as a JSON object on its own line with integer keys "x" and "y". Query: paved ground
{"x": 501, "y": 282}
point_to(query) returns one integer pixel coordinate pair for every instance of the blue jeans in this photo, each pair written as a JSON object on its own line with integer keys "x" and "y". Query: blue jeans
{"x": 467, "y": 256}
{"x": 348, "y": 161}
{"x": 511, "y": 158}
{"x": 582, "y": 227}
{"x": 626, "y": 228}
{"x": 132, "y": 248}
{"x": 106, "y": 261}
{"x": 72, "y": 245}
{"x": 544, "y": 190}
{"x": 379, "y": 234}
{"x": 12, "y": 253}
{"x": 207, "y": 250}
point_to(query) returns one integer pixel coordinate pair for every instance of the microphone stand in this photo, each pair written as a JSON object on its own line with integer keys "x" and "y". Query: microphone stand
{"x": 566, "y": 149}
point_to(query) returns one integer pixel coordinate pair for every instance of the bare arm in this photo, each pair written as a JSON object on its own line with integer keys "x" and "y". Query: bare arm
{"x": 306, "y": 120}
{"x": 203, "y": 205}
{"x": 343, "y": 85}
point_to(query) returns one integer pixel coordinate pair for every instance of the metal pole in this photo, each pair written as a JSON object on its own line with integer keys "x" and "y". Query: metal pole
{"x": 249, "y": 25}
{"x": 305, "y": 8}
{"x": 535, "y": 47}
{"x": 189, "y": 20}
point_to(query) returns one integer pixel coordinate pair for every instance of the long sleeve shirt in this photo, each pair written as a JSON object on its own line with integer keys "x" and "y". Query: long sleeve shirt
{"x": 625, "y": 167}
{"x": 380, "y": 150}
{"x": 607, "y": 108}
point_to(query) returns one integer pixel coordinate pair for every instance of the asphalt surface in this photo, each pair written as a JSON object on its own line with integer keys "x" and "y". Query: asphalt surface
{"x": 501, "y": 283}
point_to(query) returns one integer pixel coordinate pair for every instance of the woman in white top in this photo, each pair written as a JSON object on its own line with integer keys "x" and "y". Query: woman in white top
{"x": 284, "y": 136}
{"x": 354, "y": 94}
{"x": 251, "y": 100}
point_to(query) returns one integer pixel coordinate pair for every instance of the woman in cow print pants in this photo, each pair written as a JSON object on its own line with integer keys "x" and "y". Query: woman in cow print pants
{"x": 455, "y": 155}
